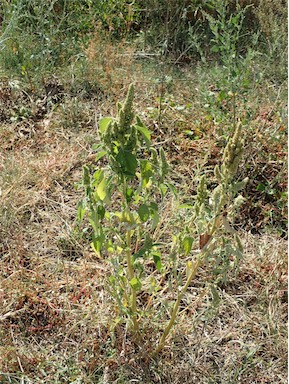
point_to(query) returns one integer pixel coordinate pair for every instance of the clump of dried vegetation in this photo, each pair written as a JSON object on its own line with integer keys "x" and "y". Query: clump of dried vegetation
{"x": 57, "y": 322}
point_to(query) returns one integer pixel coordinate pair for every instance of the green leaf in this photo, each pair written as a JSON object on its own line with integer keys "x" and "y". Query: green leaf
{"x": 101, "y": 211}
{"x": 96, "y": 147}
{"x": 222, "y": 95}
{"x": 143, "y": 212}
{"x": 94, "y": 220}
{"x": 135, "y": 283}
{"x": 148, "y": 244}
{"x": 81, "y": 209}
{"x": 97, "y": 242}
{"x": 156, "y": 219}
{"x": 101, "y": 189}
{"x": 157, "y": 260}
{"x": 129, "y": 194}
{"x": 127, "y": 162}
{"x": 154, "y": 206}
{"x": 187, "y": 244}
{"x": 104, "y": 123}
{"x": 125, "y": 217}
{"x": 100, "y": 154}
{"x": 145, "y": 132}
{"x": 261, "y": 187}
{"x": 146, "y": 170}
{"x": 98, "y": 175}
{"x": 189, "y": 133}
{"x": 163, "y": 189}
{"x": 215, "y": 49}
{"x": 186, "y": 206}
{"x": 140, "y": 253}
{"x": 86, "y": 176}
{"x": 173, "y": 189}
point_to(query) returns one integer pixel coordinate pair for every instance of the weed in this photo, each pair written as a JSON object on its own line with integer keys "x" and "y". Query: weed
{"x": 272, "y": 17}
{"x": 135, "y": 183}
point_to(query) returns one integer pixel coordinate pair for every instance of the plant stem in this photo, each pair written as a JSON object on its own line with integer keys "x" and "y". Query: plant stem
{"x": 202, "y": 255}
{"x": 131, "y": 276}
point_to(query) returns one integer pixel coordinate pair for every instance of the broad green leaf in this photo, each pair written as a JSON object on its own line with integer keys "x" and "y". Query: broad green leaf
{"x": 144, "y": 212}
{"x": 101, "y": 189}
{"x": 140, "y": 253}
{"x": 187, "y": 244}
{"x": 261, "y": 187}
{"x": 145, "y": 133}
{"x": 127, "y": 162}
{"x": 215, "y": 49}
{"x": 135, "y": 283}
{"x": 112, "y": 280}
{"x": 222, "y": 95}
{"x": 189, "y": 133}
{"x": 154, "y": 206}
{"x": 103, "y": 124}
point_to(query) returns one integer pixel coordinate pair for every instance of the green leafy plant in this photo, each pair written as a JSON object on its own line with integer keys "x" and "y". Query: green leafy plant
{"x": 123, "y": 204}
{"x": 212, "y": 213}
{"x": 234, "y": 76}
{"x": 125, "y": 198}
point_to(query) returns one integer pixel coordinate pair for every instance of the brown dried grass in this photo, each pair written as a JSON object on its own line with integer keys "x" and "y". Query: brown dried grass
{"x": 55, "y": 312}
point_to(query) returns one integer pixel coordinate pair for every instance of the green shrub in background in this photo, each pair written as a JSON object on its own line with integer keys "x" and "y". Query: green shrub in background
{"x": 183, "y": 28}
{"x": 123, "y": 203}
{"x": 38, "y": 35}
{"x": 233, "y": 73}
{"x": 272, "y": 18}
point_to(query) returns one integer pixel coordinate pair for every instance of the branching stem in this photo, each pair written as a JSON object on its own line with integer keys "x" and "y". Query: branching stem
{"x": 194, "y": 269}
{"x": 177, "y": 305}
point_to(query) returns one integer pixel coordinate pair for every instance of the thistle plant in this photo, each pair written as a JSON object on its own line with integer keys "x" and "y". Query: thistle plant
{"x": 122, "y": 202}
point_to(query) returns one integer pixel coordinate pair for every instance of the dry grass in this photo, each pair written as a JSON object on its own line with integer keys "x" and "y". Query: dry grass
{"x": 55, "y": 312}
